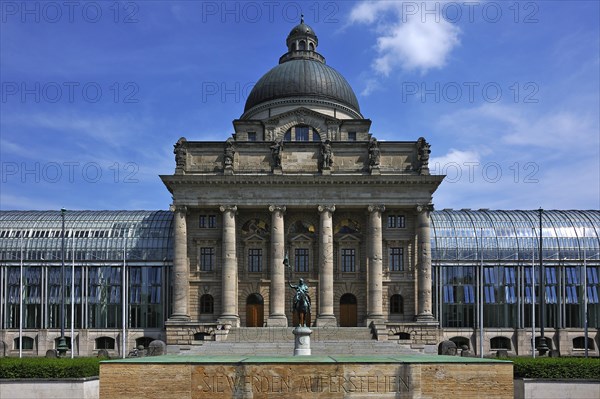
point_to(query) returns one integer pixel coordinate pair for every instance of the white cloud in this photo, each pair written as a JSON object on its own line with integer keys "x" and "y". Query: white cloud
{"x": 409, "y": 41}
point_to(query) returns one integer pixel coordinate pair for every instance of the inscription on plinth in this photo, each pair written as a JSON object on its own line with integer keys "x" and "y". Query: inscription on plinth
{"x": 317, "y": 381}
{"x": 325, "y": 377}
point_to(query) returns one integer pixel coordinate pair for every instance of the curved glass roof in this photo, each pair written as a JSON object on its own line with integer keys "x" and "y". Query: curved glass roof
{"x": 466, "y": 235}
{"x": 456, "y": 235}
{"x": 89, "y": 235}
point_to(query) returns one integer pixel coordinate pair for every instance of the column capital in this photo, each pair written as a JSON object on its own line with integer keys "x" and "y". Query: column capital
{"x": 376, "y": 208}
{"x": 326, "y": 208}
{"x": 178, "y": 208}
{"x": 228, "y": 208}
{"x": 277, "y": 208}
{"x": 425, "y": 208}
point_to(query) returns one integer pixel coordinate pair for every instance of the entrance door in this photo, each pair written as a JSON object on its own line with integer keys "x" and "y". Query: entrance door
{"x": 254, "y": 311}
{"x": 348, "y": 311}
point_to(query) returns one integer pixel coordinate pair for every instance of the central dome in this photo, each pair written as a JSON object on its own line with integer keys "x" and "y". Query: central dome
{"x": 303, "y": 77}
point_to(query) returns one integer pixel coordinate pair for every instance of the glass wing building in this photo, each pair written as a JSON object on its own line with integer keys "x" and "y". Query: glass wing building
{"x": 118, "y": 264}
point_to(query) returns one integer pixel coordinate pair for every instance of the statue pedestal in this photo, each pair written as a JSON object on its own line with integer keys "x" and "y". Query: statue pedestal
{"x": 302, "y": 341}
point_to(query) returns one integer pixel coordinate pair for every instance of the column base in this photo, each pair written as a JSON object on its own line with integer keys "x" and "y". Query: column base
{"x": 179, "y": 317}
{"x": 231, "y": 320}
{"x": 426, "y": 318}
{"x": 277, "y": 321}
{"x": 326, "y": 321}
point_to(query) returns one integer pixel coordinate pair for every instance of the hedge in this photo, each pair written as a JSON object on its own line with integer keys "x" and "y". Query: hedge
{"x": 41, "y": 367}
{"x": 557, "y": 367}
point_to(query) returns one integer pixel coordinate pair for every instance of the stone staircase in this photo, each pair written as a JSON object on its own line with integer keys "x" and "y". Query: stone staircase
{"x": 325, "y": 341}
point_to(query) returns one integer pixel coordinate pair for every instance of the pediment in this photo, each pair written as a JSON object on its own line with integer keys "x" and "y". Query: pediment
{"x": 254, "y": 237}
{"x": 349, "y": 238}
{"x": 301, "y": 237}
{"x": 302, "y": 115}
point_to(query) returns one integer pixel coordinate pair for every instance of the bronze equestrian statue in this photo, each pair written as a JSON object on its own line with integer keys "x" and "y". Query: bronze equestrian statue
{"x": 301, "y": 303}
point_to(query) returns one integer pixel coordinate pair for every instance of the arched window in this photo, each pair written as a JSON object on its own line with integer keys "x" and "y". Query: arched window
{"x": 500, "y": 343}
{"x": 143, "y": 341}
{"x": 28, "y": 343}
{"x": 396, "y": 304}
{"x": 207, "y": 304}
{"x": 105, "y": 343}
{"x": 202, "y": 336}
{"x": 302, "y": 45}
{"x": 67, "y": 339}
{"x": 301, "y": 133}
{"x": 311, "y": 46}
{"x": 460, "y": 341}
{"x": 579, "y": 343}
{"x": 403, "y": 335}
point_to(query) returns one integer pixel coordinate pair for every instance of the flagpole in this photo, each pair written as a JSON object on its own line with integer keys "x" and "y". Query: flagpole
{"x": 124, "y": 299}
{"x": 72, "y": 295}
{"x": 533, "y": 294}
{"x": 585, "y": 298}
{"x": 481, "y": 297}
{"x": 21, "y": 299}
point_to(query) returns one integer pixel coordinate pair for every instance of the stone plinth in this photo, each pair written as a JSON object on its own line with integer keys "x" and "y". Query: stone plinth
{"x": 302, "y": 341}
{"x": 216, "y": 377}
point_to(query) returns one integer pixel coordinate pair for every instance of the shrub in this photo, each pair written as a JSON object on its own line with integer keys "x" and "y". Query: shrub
{"x": 41, "y": 367}
{"x": 557, "y": 367}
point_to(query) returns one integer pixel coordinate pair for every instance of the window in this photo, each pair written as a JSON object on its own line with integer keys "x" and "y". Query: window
{"x": 207, "y": 259}
{"x": 396, "y": 304}
{"x": 251, "y": 136}
{"x": 500, "y": 343}
{"x": 255, "y": 260}
{"x": 302, "y": 133}
{"x": 105, "y": 343}
{"x": 301, "y": 260}
{"x": 351, "y": 136}
{"x": 208, "y": 221}
{"x": 579, "y": 343}
{"x": 302, "y": 45}
{"x": 67, "y": 341}
{"x": 348, "y": 260}
{"x": 207, "y": 304}
{"x": 27, "y": 343}
{"x": 396, "y": 222}
{"x": 396, "y": 259}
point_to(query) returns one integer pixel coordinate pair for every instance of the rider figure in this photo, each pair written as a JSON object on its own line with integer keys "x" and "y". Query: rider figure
{"x": 301, "y": 298}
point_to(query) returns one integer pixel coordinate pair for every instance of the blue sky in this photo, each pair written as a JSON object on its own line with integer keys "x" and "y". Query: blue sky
{"x": 94, "y": 94}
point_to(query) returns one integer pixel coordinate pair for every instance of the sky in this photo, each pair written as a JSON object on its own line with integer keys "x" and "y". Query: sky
{"x": 94, "y": 94}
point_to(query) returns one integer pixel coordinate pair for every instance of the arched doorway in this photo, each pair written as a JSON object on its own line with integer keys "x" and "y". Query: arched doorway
{"x": 254, "y": 311}
{"x": 296, "y": 320}
{"x": 348, "y": 311}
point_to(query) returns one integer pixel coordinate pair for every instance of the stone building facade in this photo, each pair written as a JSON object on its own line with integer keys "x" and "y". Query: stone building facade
{"x": 303, "y": 179}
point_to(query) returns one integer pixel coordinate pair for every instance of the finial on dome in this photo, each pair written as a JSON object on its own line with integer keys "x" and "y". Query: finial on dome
{"x": 301, "y": 18}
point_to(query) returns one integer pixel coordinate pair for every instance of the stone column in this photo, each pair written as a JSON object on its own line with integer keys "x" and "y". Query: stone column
{"x": 375, "y": 256}
{"x": 326, "y": 316}
{"x": 180, "y": 266}
{"x": 424, "y": 313}
{"x": 277, "y": 300}
{"x": 229, "y": 272}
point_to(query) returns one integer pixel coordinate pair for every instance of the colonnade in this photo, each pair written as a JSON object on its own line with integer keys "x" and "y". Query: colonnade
{"x": 325, "y": 315}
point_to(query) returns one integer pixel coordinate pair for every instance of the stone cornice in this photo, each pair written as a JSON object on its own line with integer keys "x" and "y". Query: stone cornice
{"x": 313, "y": 180}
